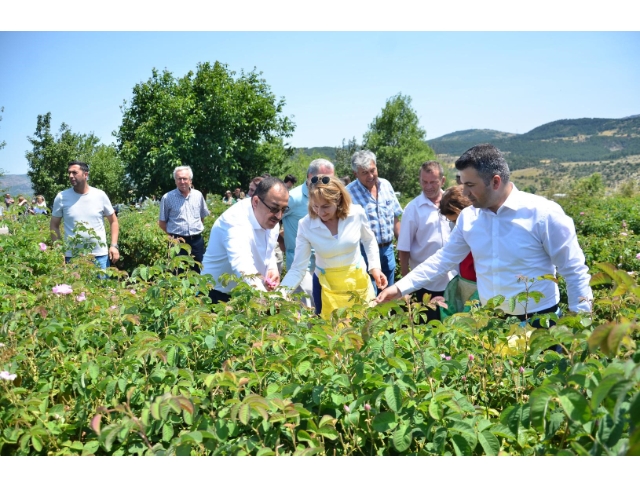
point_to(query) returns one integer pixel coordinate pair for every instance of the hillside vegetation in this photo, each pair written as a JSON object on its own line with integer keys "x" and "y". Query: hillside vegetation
{"x": 578, "y": 140}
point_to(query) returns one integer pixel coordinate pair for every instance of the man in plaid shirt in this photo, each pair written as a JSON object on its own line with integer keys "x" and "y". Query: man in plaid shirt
{"x": 379, "y": 201}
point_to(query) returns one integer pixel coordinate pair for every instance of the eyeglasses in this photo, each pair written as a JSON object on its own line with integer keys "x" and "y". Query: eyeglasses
{"x": 183, "y": 179}
{"x": 323, "y": 180}
{"x": 275, "y": 211}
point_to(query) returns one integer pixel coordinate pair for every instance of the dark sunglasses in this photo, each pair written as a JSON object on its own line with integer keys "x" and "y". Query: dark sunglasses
{"x": 274, "y": 211}
{"x": 323, "y": 180}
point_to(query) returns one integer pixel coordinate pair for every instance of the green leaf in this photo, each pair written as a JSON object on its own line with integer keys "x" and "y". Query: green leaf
{"x": 490, "y": 444}
{"x": 539, "y": 403}
{"x": 303, "y": 367}
{"x": 402, "y": 440}
{"x": 575, "y": 405}
{"x": 461, "y": 445}
{"x": 393, "y": 397}
{"x": 167, "y": 432}
{"x": 617, "y": 333}
{"x": 383, "y": 422}
{"x": 37, "y": 443}
{"x": 436, "y": 410}
{"x": 603, "y": 389}
{"x": 244, "y": 413}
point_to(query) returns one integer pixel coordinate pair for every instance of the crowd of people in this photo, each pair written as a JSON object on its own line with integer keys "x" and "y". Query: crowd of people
{"x": 476, "y": 240}
{"x": 37, "y": 205}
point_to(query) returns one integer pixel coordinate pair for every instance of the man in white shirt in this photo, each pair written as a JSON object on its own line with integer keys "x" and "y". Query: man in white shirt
{"x": 424, "y": 231}
{"x": 243, "y": 240}
{"x": 511, "y": 235}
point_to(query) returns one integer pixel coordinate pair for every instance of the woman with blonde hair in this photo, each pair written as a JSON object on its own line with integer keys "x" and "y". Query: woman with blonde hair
{"x": 334, "y": 228}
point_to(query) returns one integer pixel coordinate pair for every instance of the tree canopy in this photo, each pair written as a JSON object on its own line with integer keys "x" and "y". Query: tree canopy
{"x": 399, "y": 144}
{"x": 228, "y": 129}
{"x": 50, "y": 156}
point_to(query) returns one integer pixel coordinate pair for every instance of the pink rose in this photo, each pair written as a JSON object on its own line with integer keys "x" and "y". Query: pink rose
{"x": 43, "y": 246}
{"x": 521, "y": 369}
{"x": 81, "y": 297}
{"x": 367, "y": 407}
{"x": 132, "y": 291}
{"x": 346, "y": 409}
{"x": 62, "y": 289}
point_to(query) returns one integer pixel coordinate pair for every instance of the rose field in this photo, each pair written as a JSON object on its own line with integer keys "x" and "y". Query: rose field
{"x": 141, "y": 363}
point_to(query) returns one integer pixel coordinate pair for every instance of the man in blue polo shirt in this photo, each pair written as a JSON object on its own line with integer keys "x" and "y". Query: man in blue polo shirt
{"x": 299, "y": 208}
{"x": 381, "y": 205}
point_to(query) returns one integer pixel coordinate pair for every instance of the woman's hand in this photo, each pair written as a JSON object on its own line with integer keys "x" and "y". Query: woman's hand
{"x": 380, "y": 278}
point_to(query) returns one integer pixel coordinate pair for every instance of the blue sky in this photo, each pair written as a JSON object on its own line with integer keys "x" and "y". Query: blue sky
{"x": 334, "y": 83}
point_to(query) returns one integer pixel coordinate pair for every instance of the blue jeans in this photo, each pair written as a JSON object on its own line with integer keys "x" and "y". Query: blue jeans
{"x": 387, "y": 264}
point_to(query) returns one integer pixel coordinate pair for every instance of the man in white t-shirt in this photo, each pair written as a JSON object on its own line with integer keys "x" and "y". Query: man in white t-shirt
{"x": 424, "y": 231}
{"x": 90, "y": 206}
{"x": 513, "y": 236}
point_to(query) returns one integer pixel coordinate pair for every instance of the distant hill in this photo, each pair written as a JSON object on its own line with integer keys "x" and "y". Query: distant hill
{"x": 328, "y": 152}
{"x": 16, "y": 184}
{"x": 576, "y": 140}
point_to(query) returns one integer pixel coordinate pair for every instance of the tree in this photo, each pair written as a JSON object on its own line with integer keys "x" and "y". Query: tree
{"x": 50, "y": 156}
{"x": 399, "y": 144}
{"x": 343, "y": 157}
{"x": 227, "y": 129}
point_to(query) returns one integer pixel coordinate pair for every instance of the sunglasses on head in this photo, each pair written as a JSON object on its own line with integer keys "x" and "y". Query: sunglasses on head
{"x": 323, "y": 180}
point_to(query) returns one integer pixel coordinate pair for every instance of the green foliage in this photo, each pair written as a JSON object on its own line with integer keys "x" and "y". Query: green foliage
{"x": 578, "y": 140}
{"x": 142, "y": 364}
{"x": 399, "y": 144}
{"x": 50, "y": 156}
{"x": 228, "y": 129}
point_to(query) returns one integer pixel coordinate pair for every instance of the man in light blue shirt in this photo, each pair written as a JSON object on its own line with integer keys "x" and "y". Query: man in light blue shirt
{"x": 299, "y": 208}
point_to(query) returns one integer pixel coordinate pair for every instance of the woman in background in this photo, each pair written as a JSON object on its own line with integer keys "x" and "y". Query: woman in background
{"x": 463, "y": 287}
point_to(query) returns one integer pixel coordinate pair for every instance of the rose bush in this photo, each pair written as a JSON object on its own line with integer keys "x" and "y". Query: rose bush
{"x": 142, "y": 364}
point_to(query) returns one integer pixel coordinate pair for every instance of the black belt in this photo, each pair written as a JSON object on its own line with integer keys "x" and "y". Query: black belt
{"x": 187, "y": 237}
{"x": 383, "y": 245}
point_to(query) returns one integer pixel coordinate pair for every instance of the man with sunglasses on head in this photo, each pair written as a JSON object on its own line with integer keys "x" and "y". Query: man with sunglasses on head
{"x": 381, "y": 205}
{"x": 243, "y": 240}
{"x": 182, "y": 213}
{"x": 298, "y": 209}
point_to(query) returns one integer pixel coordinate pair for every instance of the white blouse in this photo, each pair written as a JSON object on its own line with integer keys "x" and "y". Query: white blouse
{"x": 332, "y": 251}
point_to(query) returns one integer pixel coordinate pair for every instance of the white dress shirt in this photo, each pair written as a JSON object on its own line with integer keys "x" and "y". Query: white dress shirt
{"x": 332, "y": 251}
{"x": 238, "y": 245}
{"x": 423, "y": 232}
{"x": 528, "y": 236}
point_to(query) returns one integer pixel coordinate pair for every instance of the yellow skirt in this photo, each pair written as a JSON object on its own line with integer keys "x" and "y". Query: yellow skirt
{"x": 337, "y": 285}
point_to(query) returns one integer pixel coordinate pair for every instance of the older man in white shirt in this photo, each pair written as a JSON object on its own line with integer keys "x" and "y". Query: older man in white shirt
{"x": 511, "y": 234}
{"x": 424, "y": 231}
{"x": 243, "y": 240}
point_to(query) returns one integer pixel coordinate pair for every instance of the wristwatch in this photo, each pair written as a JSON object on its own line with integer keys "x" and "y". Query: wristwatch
{"x": 115, "y": 246}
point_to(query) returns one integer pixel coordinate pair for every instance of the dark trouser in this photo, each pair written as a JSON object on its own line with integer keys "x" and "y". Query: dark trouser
{"x": 218, "y": 296}
{"x": 197, "y": 249}
{"x": 317, "y": 294}
{"x": 432, "y": 314}
{"x": 536, "y": 322}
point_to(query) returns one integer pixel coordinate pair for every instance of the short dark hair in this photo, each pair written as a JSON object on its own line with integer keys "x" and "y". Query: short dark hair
{"x": 265, "y": 186}
{"x": 432, "y": 166}
{"x": 290, "y": 178}
{"x": 487, "y": 160}
{"x": 83, "y": 165}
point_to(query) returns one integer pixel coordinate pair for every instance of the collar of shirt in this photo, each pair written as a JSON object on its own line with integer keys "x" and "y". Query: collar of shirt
{"x": 423, "y": 200}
